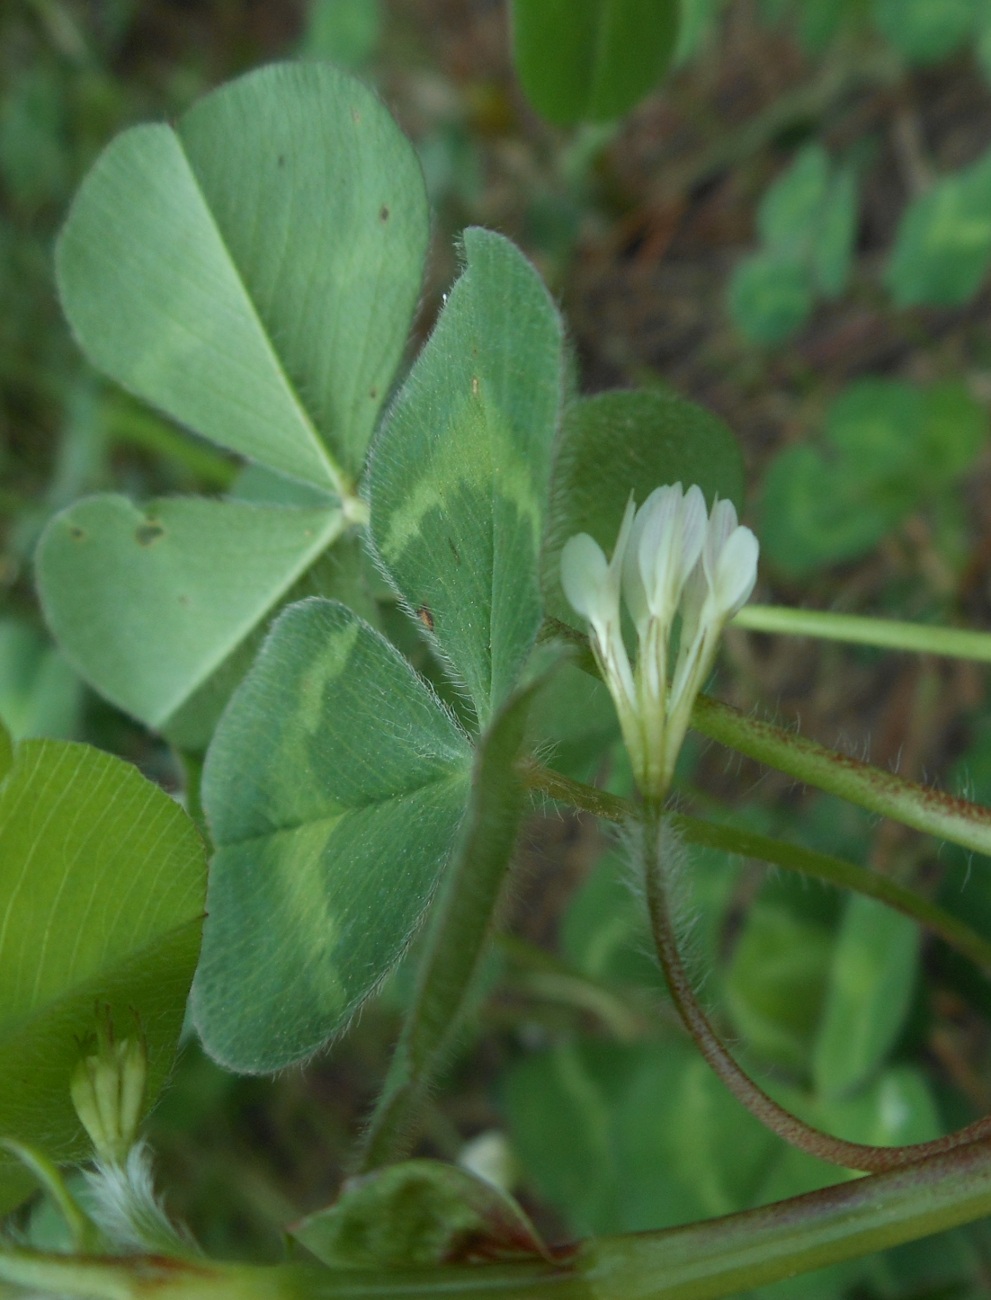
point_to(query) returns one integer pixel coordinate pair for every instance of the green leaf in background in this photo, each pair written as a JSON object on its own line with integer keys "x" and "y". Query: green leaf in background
{"x": 148, "y": 602}
{"x": 770, "y": 297}
{"x": 630, "y": 441}
{"x": 459, "y": 473}
{"x": 807, "y": 221}
{"x": 789, "y": 211}
{"x": 345, "y": 32}
{"x": 954, "y": 429}
{"x": 591, "y": 60}
{"x": 873, "y": 425}
{"x": 817, "y": 22}
{"x": 334, "y": 788}
{"x": 925, "y": 31}
{"x": 813, "y": 514}
{"x": 890, "y": 446}
{"x": 870, "y": 988}
{"x": 776, "y": 982}
{"x": 696, "y": 22}
{"x": 574, "y": 720}
{"x": 253, "y": 272}
{"x": 832, "y": 250}
{"x": 668, "y": 1143}
{"x": 983, "y": 50}
{"x": 40, "y": 695}
{"x": 34, "y": 154}
{"x": 102, "y": 878}
{"x": 942, "y": 249}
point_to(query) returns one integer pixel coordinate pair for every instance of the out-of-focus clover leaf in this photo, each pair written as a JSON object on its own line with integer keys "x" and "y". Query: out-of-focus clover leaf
{"x": 925, "y": 31}
{"x": 889, "y": 448}
{"x": 807, "y": 222}
{"x": 942, "y": 249}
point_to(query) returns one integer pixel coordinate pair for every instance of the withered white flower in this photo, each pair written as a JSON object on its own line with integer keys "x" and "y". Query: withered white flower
{"x": 672, "y": 557}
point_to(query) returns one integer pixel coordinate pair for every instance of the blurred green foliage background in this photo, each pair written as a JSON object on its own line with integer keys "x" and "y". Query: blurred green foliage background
{"x": 793, "y": 229}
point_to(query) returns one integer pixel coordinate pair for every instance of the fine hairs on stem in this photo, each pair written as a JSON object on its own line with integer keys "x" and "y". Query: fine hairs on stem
{"x": 657, "y": 840}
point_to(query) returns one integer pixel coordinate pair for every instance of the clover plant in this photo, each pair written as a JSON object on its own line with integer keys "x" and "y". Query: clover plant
{"x": 252, "y": 271}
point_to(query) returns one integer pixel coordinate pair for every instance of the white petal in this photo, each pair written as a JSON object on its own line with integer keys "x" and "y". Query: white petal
{"x": 736, "y": 571}
{"x": 659, "y": 549}
{"x": 621, "y": 549}
{"x": 584, "y": 575}
{"x": 722, "y": 521}
{"x": 694, "y": 530}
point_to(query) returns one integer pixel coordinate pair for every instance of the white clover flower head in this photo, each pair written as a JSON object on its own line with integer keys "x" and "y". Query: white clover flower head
{"x": 672, "y": 558}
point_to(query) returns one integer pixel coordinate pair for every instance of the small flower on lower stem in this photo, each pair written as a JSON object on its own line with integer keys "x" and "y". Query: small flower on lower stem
{"x": 108, "y": 1090}
{"x": 671, "y": 559}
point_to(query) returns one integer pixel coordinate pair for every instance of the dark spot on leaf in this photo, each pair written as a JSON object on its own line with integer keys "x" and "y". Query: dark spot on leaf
{"x": 425, "y": 617}
{"x": 282, "y": 160}
{"x": 454, "y": 551}
{"x": 149, "y": 532}
{"x": 383, "y": 213}
{"x": 373, "y": 393}
{"x": 76, "y": 533}
{"x": 184, "y": 601}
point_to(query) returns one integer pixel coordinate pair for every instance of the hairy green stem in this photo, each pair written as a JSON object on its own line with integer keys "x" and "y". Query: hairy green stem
{"x": 837, "y": 1151}
{"x": 858, "y": 629}
{"x": 807, "y": 862}
{"x": 460, "y": 926}
{"x": 701, "y": 1261}
{"x": 844, "y": 875}
{"x": 924, "y": 809}
{"x": 888, "y": 634}
{"x": 921, "y": 807}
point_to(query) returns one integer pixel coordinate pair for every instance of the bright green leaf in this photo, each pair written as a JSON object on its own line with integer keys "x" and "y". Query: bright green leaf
{"x": 591, "y": 60}
{"x": 334, "y": 788}
{"x": 102, "y": 878}
{"x": 870, "y": 989}
{"x": 148, "y": 603}
{"x": 6, "y": 751}
{"x": 942, "y": 249}
{"x": 770, "y": 297}
{"x": 253, "y": 271}
{"x": 623, "y": 442}
{"x": 459, "y": 474}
